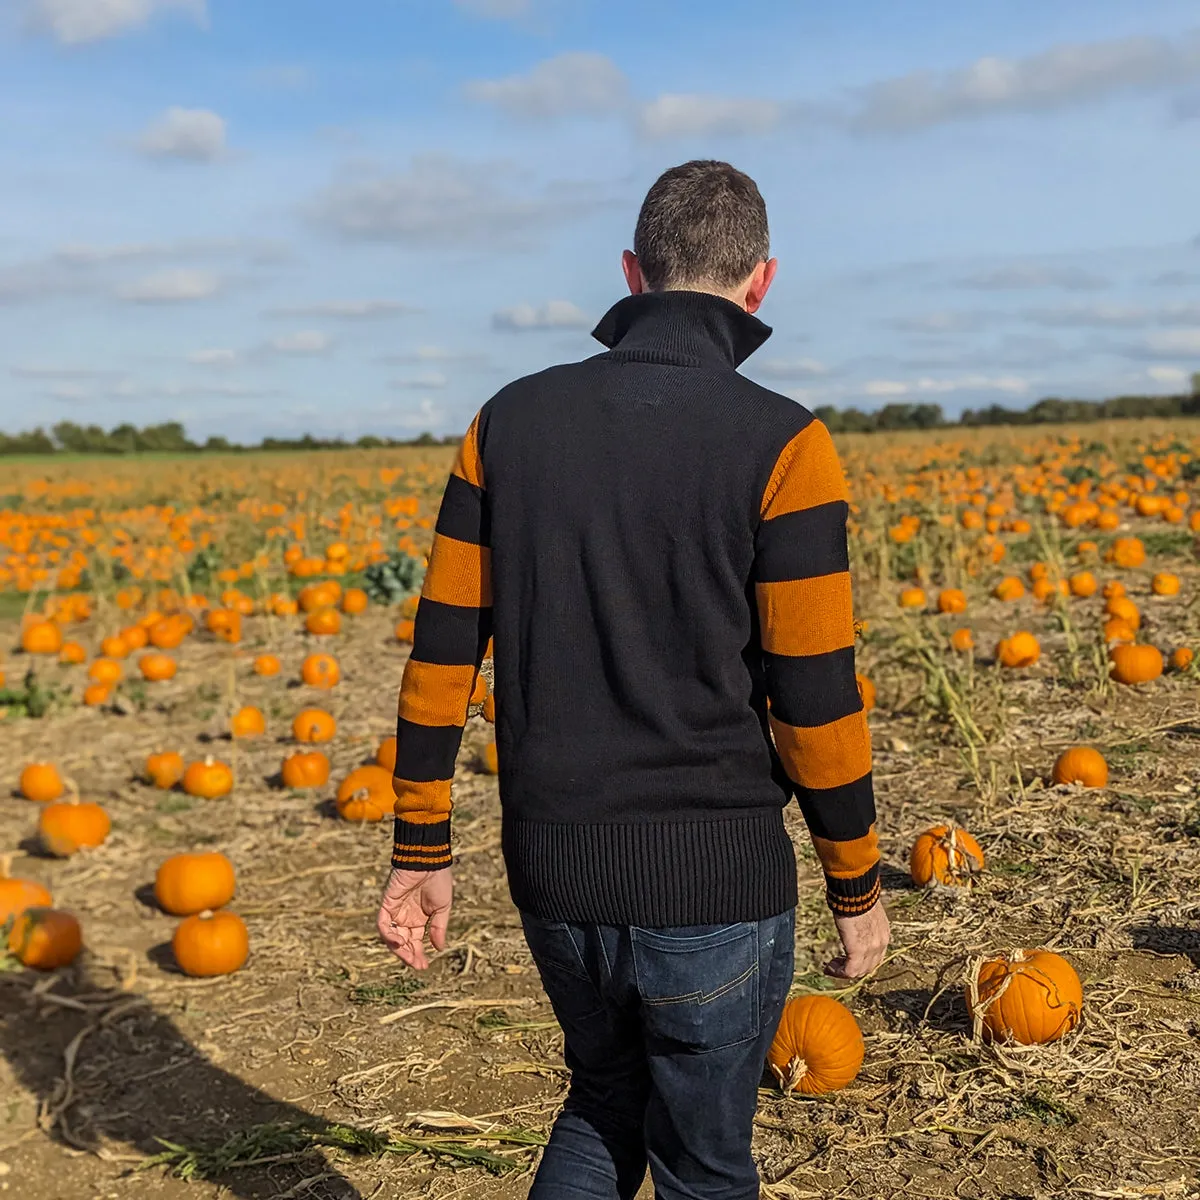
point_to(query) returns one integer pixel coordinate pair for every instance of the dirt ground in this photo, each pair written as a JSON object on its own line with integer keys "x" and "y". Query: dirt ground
{"x": 445, "y": 1085}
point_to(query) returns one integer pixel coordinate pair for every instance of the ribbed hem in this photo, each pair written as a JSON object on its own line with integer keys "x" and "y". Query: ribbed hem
{"x": 741, "y": 868}
{"x": 853, "y": 897}
{"x": 421, "y": 847}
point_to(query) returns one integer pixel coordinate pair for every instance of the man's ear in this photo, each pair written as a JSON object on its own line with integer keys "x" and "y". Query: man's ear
{"x": 633, "y": 273}
{"x": 760, "y": 283}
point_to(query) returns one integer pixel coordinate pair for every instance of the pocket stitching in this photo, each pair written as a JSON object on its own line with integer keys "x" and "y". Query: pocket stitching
{"x": 702, "y": 997}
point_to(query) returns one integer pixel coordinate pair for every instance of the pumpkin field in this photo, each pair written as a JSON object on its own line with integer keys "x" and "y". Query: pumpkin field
{"x": 200, "y": 662}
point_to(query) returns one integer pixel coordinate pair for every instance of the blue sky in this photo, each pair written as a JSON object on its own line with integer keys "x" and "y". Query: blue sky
{"x": 269, "y": 216}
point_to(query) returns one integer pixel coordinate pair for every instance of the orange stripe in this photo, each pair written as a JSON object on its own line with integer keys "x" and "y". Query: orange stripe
{"x": 428, "y": 849}
{"x": 424, "y": 803}
{"x": 459, "y": 573}
{"x": 859, "y": 904}
{"x": 825, "y": 756}
{"x": 423, "y": 861}
{"x": 806, "y": 616}
{"x": 468, "y": 464}
{"x": 807, "y": 473}
{"x": 436, "y": 693}
{"x": 848, "y": 860}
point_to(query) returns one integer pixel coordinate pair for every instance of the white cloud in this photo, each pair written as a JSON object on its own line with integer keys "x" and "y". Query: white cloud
{"x": 1018, "y": 276}
{"x": 303, "y": 341}
{"x": 554, "y": 314}
{"x": 442, "y": 198}
{"x": 1175, "y": 341}
{"x": 566, "y": 85}
{"x": 694, "y": 115}
{"x": 431, "y": 379}
{"x": 215, "y": 356}
{"x": 167, "y": 287}
{"x": 1013, "y": 384}
{"x": 75, "y": 22}
{"x": 1169, "y": 376}
{"x": 1056, "y": 78}
{"x": 349, "y": 310}
{"x": 791, "y": 368}
{"x": 197, "y": 134}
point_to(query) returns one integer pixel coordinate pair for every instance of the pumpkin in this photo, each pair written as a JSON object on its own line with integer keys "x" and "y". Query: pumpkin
{"x": 168, "y": 633}
{"x": 952, "y": 600}
{"x": 1117, "y": 629}
{"x": 1009, "y": 588}
{"x": 1114, "y": 587}
{"x": 1182, "y": 658}
{"x": 912, "y": 597}
{"x": 1081, "y": 764}
{"x": 72, "y": 653}
{"x": 40, "y": 781}
{"x": 41, "y": 637}
{"x": 66, "y": 827}
{"x": 479, "y": 691}
{"x": 320, "y": 670}
{"x": 134, "y": 637}
{"x": 305, "y": 769}
{"x": 319, "y": 595}
{"x": 1082, "y": 584}
{"x": 157, "y": 667}
{"x": 866, "y": 692}
{"x": 1127, "y": 552}
{"x": 105, "y": 670}
{"x": 45, "y": 938}
{"x": 164, "y": 768}
{"x": 962, "y": 640}
{"x": 1029, "y": 997}
{"x": 247, "y": 722}
{"x": 1165, "y": 584}
{"x": 405, "y": 630}
{"x": 225, "y": 624}
{"x": 818, "y": 1047}
{"x": 313, "y": 725}
{"x": 211, "y": 943}
{"x": 16, "y": 895}
{"x": 266, "y": 664}
{"x": 190, "y": 883}
{"x": 1125, "y": 610}
{"x": 366, "y": 794}
{"x": 114, "y": 646}
{"x": 96, "y": 694}
{"x": 489, "y": 707}
{"x": 489, "y": 759}
{"x": 944, "y": 855}
{"x": 323, "y": 621}
{"x": 385, "y": 756}
{"x": 409, "y": 606}
{"x": 1019, "y": 650}
{"x": 209, "y": 779}
{"x": 355, "y": 600}
{"x": 1135, "y": 664}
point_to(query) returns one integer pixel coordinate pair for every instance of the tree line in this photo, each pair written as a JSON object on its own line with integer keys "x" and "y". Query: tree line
{"x": 67, "y": 437}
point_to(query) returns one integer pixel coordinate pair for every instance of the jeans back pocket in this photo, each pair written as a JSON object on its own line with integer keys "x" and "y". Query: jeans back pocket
{"x": 698, "y": 985}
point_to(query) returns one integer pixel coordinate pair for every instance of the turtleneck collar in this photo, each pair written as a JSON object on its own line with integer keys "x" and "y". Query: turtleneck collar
{"x": 689, "y": 328}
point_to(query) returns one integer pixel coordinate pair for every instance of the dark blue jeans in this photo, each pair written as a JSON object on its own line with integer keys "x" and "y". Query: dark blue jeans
{"x": 666, "y": 1035}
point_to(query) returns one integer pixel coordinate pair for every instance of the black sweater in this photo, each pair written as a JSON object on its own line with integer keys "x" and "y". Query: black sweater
{"x": 658, "y": 546}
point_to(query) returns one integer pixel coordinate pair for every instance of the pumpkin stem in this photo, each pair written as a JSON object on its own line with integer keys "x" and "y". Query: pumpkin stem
{"x": 71, "y": 787}
{"x": 208, "y": 760}
{"x": 206, "y": 915}
{"x": 791, "y": 1076}
{"x": 6, "y": 866}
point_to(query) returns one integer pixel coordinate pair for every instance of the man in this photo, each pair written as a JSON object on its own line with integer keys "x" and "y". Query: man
{"x": 659, "y": 546}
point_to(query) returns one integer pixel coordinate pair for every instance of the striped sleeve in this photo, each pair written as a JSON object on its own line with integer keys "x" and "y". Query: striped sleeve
{"x": 452, "y": 628}
{"x": 802, "y": 586}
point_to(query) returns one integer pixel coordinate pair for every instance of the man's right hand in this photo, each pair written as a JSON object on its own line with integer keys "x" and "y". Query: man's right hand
{"x": 865, "y": 939}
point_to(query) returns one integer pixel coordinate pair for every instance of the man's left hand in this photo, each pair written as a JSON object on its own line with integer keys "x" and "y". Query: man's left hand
{"x": 413, "y": 900}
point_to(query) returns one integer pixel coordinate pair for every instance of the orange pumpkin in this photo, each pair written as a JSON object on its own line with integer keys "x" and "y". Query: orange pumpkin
{"x": 323, "y": 621}
{"x": 945, "y": 855}
{"x": 385, "y": 756}
{"x": 489, "y": 707}
{"x": 114, "y": 646}
{"x": 319, "y": 595}
{"x": 41, "y": 637}
{"x": 305, "y": 769}
{"x": 1125, "y": 610}
{"x": 1083, "y": 584}
{"x": 405, "y": 630}
{"x": 45, "y": 938}
{"x": 211, "y": 943}
{"x": 866, "y": 692}
{"x": 366, "y": 794}
{"x": 1182, "y": 658}
{"x": 16, "y": 895}
{"x": 1010, "y": 588}
{"x": 134, "y": 637}
{"x": 320, "y": 670}
{"x": 952, "y": 600}
{"x": 490, "y": 760}
{"x": 157, "y": 667}
{"x": 313, "y": 725}
{"x": 168, "y": 632}
{"x": 164, "y": 768}
{"x": 355, "y": 600}
{"x": 66, "y": 827}
{"x": 1116, "y": 629}
{"x": 225, "y": 624}
{"x": 1127, "y": 552}
{"x": 1114, "y": 587}
{"x": 962, "y": 640}
{"x": 1081, "y": 764}
{"x": 190, "y": 883}
{"x": 818, "y": 1047}
{"x": 1135, "y": 664}
{"x": 1020, "y": 650}
{"x": 40, "y": 781}
{"x": 1030, "y": 997}
{"x": 96, "y": 694}
{"x": 1165, "y": 584}
{"x": 208, "y": 779}
{"x": 72, "y": 654}
{"x": 266, "y": 664}
{"x": 105, "y": 670}
{"x": 247, "y": 722}
{"x": 912, "y": 597}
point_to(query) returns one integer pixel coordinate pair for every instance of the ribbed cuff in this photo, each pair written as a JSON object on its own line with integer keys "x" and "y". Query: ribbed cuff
{"x": 421, "y": 847}
{"x": 853, "y": 897}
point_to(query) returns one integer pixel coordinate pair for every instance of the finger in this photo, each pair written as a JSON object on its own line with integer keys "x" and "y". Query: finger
{"x": 836, "y": 967}
{"x": 404, "y": 941}
{"x": 438, "y": 924}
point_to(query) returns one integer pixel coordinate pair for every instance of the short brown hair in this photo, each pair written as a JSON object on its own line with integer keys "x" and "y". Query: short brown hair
{"x": 703, "y": 222}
